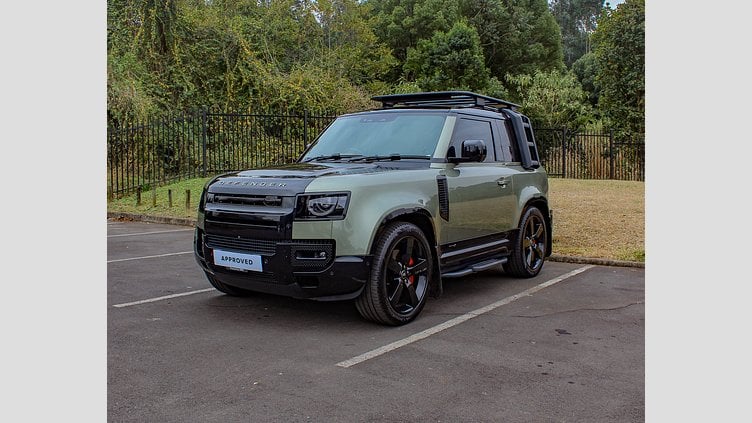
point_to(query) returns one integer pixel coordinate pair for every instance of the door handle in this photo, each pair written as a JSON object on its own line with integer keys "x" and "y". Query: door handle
{"x": 503, "y": 181}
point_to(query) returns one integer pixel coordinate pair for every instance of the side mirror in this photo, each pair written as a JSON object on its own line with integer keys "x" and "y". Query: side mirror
{"x": 472, "y": 151}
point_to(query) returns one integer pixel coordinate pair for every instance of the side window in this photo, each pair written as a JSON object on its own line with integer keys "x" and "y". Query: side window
{"x": 511, "y": 145}
{"x": 471, "y": 129}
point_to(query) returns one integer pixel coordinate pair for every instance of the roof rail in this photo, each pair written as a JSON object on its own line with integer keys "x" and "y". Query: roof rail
{"x": 444, "y": 99}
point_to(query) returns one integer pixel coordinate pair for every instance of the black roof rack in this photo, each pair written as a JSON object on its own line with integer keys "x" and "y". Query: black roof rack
{"x": 444, "y": 99}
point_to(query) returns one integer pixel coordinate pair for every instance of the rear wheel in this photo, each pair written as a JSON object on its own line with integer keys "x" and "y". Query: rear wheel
{"x": 227, "y": 289}
{"x": 402, "y": 268}
{"x": 529, "y": 251}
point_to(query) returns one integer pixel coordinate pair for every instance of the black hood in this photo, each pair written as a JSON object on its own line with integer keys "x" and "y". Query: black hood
{"x": 292, "y": 179}
{"x": 299, "y": 170}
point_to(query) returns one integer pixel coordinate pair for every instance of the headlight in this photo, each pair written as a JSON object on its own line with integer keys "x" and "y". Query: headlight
{"x": 322, "y": 206}
{"x": 202, "y": 200}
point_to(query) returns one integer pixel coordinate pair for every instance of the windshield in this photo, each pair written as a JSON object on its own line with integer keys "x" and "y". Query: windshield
{"x": 379, "y": 134}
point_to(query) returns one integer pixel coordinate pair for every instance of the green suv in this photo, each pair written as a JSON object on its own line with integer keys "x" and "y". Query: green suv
{"x": 383, "y": 206}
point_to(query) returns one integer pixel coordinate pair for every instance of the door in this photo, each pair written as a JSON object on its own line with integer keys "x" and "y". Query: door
{"x": 481, "y": 195}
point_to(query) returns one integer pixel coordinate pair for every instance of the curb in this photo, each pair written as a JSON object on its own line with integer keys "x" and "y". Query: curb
{"x": 151, "y": 219}
{"x": 592, "y": 260}
{"x": 554, "y": 257}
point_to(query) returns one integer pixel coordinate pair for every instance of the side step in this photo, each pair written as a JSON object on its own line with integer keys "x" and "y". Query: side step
{"x": 475, "y": 268}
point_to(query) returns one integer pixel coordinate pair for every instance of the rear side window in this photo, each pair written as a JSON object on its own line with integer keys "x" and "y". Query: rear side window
{"x": 471, "y": 129}
{"x": 514, "y": 149}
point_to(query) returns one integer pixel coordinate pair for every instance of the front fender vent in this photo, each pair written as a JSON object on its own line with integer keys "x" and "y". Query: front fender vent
{"x": 441, "y": 182}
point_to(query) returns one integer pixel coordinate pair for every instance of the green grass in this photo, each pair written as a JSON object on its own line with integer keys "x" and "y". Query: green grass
{"x": 592, "y": 218}
{"x": 598, "y": 218}
{"x": 162, "y": 208}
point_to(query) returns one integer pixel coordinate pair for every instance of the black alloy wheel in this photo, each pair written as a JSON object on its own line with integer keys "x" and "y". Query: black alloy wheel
{"x": 402, "y": 268}
{"x": 406, "y": 272}
{"x": 529, "y": 253}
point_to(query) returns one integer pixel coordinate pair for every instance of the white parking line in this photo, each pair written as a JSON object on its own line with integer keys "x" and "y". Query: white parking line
{"x": 456, "y": 321}
{"x": 166, "y": 297}
{"x": 149, "y": 233}
{"x": 149, "y": 257}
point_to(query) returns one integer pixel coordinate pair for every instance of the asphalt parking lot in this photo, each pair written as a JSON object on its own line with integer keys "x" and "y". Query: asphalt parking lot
{"x": 566, "y": 346}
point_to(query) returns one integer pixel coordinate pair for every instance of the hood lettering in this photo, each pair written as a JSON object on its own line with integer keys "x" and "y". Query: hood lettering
{"x": 254, "y": 184}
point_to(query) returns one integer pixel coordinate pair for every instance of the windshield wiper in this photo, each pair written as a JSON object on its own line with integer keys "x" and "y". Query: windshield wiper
{"x": 335, "y": 156}
{"x": 391, "y": 157}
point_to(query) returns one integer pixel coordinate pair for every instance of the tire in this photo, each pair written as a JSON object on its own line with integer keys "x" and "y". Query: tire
{"x": 402, "y": 268}
{"x": 529, "y": 252}
{"x": 227, "y": 289}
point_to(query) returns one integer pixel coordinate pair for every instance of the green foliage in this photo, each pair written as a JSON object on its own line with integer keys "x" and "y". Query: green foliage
{"x": 128, "y": 96}
{"x": 492, "y": 20}
{"x": 351, "y": 49}
{"x": 401, "y": 24}
{"x": 552, "y": 99}
{"x": 577, "y": 20}
{"x": 405, "y": 87}
{"x": 167, "y": 55}
{"x": 620, "y": 54}
{"x": 451, "y": 60}
{"x": 518, "y": 36}
{"x": 586, "y": 70}
{"x": 310, "y": 87}
{"x": 496, "y": 88}
{"x": 248, "y": 55}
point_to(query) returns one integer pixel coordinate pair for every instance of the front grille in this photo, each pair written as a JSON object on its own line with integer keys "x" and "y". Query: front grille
{"x": 264, "y": 277}
{"x": 250, "y": 200}
{"x": 258, "y": 246}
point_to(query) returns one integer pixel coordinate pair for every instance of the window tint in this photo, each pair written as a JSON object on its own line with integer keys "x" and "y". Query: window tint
{"x": 514, "y": 149}
{"x": 470, "y": 129}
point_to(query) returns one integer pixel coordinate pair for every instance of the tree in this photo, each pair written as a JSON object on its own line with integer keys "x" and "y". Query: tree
{"x": 552, "y": 99}
{"x": 130, "y": 93}
{"x": 586, "y": 70}
{"x": 620, "y": 54}
{"x": 577, "y": 20}
{"x": 518, "y": 36}
{"x": 171, "y": 55}
{"x": 349, "y": 46}
{"x": 402, "y": 23}
{"x": 449, "y": 60}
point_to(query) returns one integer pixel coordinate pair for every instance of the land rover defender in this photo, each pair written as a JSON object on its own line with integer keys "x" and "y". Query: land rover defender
{"x": 383, "y": 206}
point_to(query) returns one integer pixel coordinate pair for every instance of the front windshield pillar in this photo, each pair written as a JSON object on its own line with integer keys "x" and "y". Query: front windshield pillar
{"x": 446, "y": 136}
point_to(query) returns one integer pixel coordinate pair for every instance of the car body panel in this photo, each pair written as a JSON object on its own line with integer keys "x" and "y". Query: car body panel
{"x": 372, "y": 199}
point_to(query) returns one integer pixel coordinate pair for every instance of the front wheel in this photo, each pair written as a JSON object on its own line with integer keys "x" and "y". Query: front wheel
{"x": 402, "y": 268}
{"x": 529, "y": 251}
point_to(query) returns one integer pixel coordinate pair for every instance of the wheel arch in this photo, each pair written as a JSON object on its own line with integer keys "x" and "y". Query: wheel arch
{"x": 541, "y": 203}
{"x": 423, "y": 219}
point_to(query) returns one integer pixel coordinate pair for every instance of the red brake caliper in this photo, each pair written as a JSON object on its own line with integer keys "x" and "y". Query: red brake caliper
{"x": 411, "y": 278}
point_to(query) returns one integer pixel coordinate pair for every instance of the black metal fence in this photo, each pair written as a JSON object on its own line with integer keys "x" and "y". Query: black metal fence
{"x": 205, "y": 142}
{"x": 591, "y": 155}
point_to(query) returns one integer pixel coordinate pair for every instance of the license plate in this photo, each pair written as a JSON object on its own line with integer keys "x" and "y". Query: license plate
{"x": 238, "y": 260}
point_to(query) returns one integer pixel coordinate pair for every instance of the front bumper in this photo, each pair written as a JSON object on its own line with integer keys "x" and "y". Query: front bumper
{"x": 292, "y": 268}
